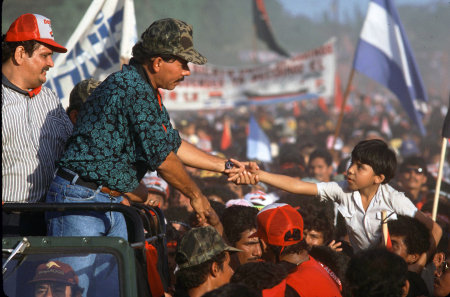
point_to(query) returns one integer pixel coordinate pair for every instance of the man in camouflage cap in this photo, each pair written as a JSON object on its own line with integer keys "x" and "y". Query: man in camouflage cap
{"x": 78, "y": 96}
{"x": 203, "y": 261}
{"x": 123, "y": 130}
{"x": 171, "y": 37}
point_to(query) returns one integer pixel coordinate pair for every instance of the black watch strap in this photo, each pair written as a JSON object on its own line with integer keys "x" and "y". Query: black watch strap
{"x": 229, "y": 164}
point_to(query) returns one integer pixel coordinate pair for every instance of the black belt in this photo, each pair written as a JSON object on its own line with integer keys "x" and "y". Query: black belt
{"x": 70, "y": 176}
{"x": 91, "y": 185}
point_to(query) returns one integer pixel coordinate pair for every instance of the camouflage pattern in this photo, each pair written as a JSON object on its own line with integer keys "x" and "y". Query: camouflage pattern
{"x": 81, "y": 91}
{"x": 174, "y": 37}
{"x": 199, "y": 245}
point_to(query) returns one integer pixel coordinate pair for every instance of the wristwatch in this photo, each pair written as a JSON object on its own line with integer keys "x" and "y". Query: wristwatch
{"x": 229, "y": 164}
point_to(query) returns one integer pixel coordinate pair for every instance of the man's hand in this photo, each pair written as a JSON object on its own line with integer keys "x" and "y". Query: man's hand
{"x": 205, "y": 213}
{"x": 335, "y": 245}
{"x": 244, "y": 173}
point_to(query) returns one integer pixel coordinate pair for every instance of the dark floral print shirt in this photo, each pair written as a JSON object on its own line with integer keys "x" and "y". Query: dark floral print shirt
{"x": 122, "y": 131}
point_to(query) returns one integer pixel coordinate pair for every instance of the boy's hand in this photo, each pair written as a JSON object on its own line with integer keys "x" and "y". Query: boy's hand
{"x": 246, "y": 173}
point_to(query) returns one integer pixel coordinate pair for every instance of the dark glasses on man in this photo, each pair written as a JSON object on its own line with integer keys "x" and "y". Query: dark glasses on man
{"x": 417, "y": 170}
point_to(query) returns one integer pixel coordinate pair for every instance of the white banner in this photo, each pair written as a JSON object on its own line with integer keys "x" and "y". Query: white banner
{"x": 106, "y": 33}
{"x": 303, "y": 76}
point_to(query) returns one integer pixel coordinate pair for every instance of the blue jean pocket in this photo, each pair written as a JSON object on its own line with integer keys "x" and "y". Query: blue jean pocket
{"x": 74, "y": 193}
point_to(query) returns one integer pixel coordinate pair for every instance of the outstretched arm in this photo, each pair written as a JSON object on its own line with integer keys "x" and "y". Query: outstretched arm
{"x": 283, "y": 182}
{"x": 192, "y": 156}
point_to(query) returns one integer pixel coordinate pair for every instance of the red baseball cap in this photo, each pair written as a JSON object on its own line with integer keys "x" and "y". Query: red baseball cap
{"x": 33, "y": 27}
{"x": 55, "y": 271}
{"x": 279, "y": 224}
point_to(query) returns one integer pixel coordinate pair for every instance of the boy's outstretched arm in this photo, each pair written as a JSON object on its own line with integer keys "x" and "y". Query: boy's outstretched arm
{"x": 283, "y": 182}
{"x": 433, "y": 227}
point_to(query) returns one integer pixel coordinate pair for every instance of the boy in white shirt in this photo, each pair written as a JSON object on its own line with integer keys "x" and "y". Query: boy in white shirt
{"x": 361, "y": 197}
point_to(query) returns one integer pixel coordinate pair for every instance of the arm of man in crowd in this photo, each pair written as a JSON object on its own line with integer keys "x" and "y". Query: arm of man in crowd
{"x": 173, "y": 171}
{"x": 283, "y": 182}
{"x": 139, "y": 194}
{"x": 435, "y": 235}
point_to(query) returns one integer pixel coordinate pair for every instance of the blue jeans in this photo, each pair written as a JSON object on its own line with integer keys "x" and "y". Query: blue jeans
{"x": 86, "y": 223}
{"x": 90, "y": 223}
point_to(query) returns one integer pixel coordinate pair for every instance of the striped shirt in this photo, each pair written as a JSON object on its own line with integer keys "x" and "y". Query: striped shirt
{"x": 35, "y": 128}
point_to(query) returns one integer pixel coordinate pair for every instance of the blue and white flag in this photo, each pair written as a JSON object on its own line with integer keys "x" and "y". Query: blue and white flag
{"x": 103, "y": 39}
{"x": 258, "y": 145}
{"x": 384, "y": 55}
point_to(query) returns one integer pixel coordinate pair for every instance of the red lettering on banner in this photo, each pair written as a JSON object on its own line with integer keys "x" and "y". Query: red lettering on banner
{"x": 47, "y": 22}
{"x": 173, "y": 96}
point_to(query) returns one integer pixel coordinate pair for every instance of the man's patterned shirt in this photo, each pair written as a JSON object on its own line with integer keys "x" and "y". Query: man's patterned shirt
{"x": 122, "y": 131}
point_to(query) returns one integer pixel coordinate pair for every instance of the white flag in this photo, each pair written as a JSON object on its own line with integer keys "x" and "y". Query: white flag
{"x": 104, "y": 36}
{"x": 258, "y": 145}
{"x": 384, "y": 55}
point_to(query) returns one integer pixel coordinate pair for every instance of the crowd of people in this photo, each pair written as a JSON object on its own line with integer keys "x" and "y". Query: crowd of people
{"x": 309, "y": 223}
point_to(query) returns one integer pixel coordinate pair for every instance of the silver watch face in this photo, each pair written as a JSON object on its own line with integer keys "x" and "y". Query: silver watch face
{"x": 229, "y": 164}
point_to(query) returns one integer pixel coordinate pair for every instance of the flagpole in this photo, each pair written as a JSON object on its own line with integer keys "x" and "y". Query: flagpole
{"x": 439, "y": 179}
{"x": 344, "y": 102}
{"x": 384, "y": 227}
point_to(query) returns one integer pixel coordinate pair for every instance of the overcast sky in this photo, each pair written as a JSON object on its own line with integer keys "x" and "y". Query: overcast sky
{"x": 315, "y": 8}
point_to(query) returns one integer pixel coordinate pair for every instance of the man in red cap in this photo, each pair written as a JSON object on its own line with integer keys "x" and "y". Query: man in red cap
{"x": 35, "y": 126}
{"x": 55, "y": 278}
{"x": 280, "y": 228}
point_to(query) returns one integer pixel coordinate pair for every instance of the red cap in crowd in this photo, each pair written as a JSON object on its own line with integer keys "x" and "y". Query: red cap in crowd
{"x": 55, "y": 271}
{"x": 33, "y": 27}
{"x": 279, "y": 224}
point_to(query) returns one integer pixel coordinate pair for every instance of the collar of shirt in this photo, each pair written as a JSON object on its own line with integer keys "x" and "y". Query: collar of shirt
{"x": 12, "y": 86}
{"x": 140, "y": 69}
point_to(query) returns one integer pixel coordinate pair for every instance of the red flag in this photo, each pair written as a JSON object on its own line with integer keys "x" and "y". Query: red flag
{"x": 296, "y": 110}
{"x": 389, "y": 242}
{"x": 226, "y": 135}
{"x": 323, "y": 105}
{"x": 263, "y": 28}
{"x": 154, "y": 281}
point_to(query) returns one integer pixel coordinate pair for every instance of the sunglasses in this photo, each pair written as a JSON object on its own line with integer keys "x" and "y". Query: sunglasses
{"x": 418, "y": 170}
{"x": 442, "y": 268}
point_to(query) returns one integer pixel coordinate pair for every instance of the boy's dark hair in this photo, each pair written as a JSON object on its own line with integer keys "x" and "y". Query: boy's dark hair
{"x": 177, "y": 213}
{"x": 220, "y": 190}
{"x": 259, "y": 275}
{"x": 323, "y": 154}
{"x": 416, "y": 234}
{"x": 194, "y": 276}
{"x": 233, "y": 290}
{"x": 237, "y": 219}
{"x": 376, "y": 273}
{"x": 378, "y": 155}
{"x": 319, "y": 216}
{"x": 218, "y": 207}
{"x": 8, "y": 48}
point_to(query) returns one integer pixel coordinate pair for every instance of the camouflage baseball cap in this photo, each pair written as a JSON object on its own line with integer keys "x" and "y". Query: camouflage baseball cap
{"x": 81, "y": 91}
{"x": 173, "y": 37}
{"x": 199, "y": 245}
